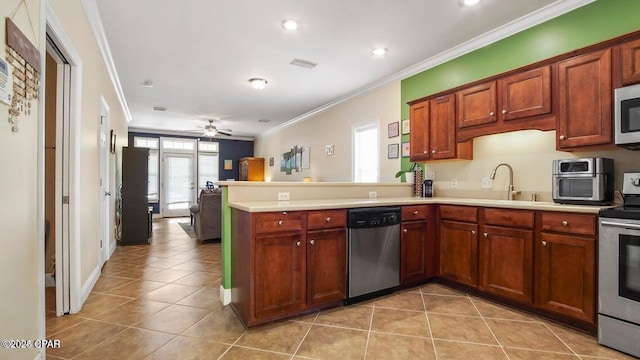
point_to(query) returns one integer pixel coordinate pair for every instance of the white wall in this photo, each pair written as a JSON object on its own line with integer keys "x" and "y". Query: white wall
{"x": 334, "y": 127}
{"x": 19, "y": 238}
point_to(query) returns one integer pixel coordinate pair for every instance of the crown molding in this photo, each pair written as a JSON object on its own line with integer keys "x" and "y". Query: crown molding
{"x": 93, "y": 16}
{"x": 187, "y": 134}
{"x": 537, "y": 17}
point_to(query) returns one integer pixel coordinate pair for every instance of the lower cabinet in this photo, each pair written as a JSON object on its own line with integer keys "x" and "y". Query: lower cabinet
{"x": 414, "y": 254}
{"x": 326, "y": 267}
{"x": 459, "y": 244}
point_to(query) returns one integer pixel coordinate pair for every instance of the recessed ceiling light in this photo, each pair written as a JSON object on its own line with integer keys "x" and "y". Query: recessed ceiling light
{"x": 258, "y": 83}
{"x": 379, "y": 51}
{"x": 468, "y": 2}
{"x": 290, "y": 24}
{"x": 159, "y": 108}
{"x": 148, "y": 83}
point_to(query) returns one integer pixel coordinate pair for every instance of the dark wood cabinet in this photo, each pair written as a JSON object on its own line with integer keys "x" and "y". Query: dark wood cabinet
{"x": 414, "y": 254}
{"x": 477, "y": 105}
{"x": 419, "y": 135}
{"x": 251, "y": 169}
{"x": 565, "y": 265}
{"x": 135, "y": 205}
{"x": 326, "y": 267}
{"x": 525, "y": 94}
{"x": 630, "y": 58}
{"x": 506, "y": 255}
{"x": 584, "y": 101}
{"x": 458, "y": 233}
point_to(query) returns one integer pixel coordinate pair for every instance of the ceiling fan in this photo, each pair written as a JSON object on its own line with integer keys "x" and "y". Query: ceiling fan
{"x": 211, "y": 130}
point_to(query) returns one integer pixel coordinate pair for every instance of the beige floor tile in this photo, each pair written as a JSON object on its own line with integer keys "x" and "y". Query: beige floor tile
{"x": 492, "y": 310}
{"x": 353, "y": 316}
{"x": 131, "y": 344}
{"x": 438, "y": 289}
{"x": 324, "y": 342}
{"x": 99, "y": 303}
{"x": 206, "y": 298}
{"x": 166, "y": 263}
{"x": 281, "y": 337}
{"x": 106, "y": 283}
{"x": 401, "y": 301}
{"x": 400, "y": 322}
{"x": 174, "y": 319}
{"x": 186, "y": 348}
{"x": 584, "y": 344}
{"x": 167, "y": 275}
{"x": 132, "y": 312}
{"x": 397, "y": 347}
{"x": 170, "y": 293}
{"x": 198, "y": 279}
{"x": 136, "y": 288}
{"x": 55, "y": 323}
{"x": 449, "y": 350}
{"x": 138, "y": 272}
{"x": 521, "y": 354}
{"x": 192, "y": 265}
{"x": 460, "y": 328}
{"x": 221, "y": 326}
{"x": 114, "y": 268}
{"x": 82, "y": 337}
{"x": 452, "y": 305}
{"x": 526, "y": 335}
{"x": 238, "y": 353}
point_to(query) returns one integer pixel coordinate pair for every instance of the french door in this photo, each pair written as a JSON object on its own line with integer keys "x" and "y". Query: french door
{"x": 178, "y": 184}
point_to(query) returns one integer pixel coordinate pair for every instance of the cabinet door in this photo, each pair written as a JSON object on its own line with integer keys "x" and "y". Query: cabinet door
{"x": 412, "y": 251}
{"x": 584, "y": 100}
{"x": 459, "y": 252}
{"x": 419, "y": 135}
{"x": 565, "y": 275}
{"x": 477, "y": 105}
{"x": 442, "y": 130}
{"x": 630, "y": 53}
{"x": 326, "y": 267}
{"x": 279, "y": 287}
{"x": 506, "y": 263}
{"x": 525, "y": 94}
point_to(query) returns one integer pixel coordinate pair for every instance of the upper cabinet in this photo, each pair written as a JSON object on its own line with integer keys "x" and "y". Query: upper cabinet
{"x": 433, "y": 133}
{"x": 630, "y": 54}
{"x": 494, "y": 106}
{"x": 584, "y": 101}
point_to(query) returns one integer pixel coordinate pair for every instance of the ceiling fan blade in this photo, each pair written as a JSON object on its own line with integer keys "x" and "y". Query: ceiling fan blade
{"x": 223, "y": 133}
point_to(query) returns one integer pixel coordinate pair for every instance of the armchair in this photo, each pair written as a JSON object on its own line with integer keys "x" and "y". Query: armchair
{"x": 207, "y": 215}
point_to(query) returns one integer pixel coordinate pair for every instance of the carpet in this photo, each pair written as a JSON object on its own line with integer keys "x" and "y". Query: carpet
{"x": 188, "y": 228}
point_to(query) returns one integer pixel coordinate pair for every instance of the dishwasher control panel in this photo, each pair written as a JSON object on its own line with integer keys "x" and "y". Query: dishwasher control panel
{"x": 374, "y": 217}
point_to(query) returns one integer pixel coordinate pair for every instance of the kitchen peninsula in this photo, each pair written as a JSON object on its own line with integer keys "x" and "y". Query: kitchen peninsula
{"x": 284, "y": 258}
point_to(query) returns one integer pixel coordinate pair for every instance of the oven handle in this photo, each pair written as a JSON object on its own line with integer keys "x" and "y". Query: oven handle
{"x": 622, "y": 225}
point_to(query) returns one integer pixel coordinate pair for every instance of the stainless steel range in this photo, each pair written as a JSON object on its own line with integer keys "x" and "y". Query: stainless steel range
{"x": 619, "y": 271}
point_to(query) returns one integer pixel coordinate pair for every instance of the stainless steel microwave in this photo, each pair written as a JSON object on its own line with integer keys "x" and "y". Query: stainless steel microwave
{"x": 587, "y": 181}
{"x": 627, "y": 117}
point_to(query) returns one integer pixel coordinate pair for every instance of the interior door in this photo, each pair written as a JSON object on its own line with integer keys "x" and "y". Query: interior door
{"x": 103, "y": 192}
{"x": 178, "y": 185}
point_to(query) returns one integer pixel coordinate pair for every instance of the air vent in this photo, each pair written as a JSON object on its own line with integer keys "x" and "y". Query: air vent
{"x": 303, "y": 63}
{"x": 159, "y": 108}
{"x": 263, "y": 120}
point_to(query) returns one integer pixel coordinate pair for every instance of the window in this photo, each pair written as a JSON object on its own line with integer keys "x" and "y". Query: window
{"x": 208, "y": 163}
{"x": 154, "y": 164}
{"x": 365, "y": 153}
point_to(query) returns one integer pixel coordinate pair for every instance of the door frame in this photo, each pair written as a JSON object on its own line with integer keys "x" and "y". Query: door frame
{"x": 68, "y": 244}
{"x": 194, "y": 175}
{"x": 104, "y": 236}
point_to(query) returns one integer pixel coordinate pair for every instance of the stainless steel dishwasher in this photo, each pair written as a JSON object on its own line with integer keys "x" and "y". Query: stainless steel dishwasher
{"x": 373, "y": 251}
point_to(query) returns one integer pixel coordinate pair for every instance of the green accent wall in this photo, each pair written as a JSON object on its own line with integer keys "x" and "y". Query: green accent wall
{"x": 590, "y": 24}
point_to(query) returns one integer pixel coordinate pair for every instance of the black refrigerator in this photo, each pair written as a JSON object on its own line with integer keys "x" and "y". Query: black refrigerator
{"x": 136, "y": 216}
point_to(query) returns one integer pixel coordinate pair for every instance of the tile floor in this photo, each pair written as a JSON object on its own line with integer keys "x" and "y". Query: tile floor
{"x": 161, "y": 301}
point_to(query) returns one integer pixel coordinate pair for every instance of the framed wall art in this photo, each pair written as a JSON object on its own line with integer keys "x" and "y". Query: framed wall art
{"x": 406, "y": 126}
{"x": 392, "y": 151}
{"x": 406, "y": 149}
{"x": 393, "y": 129}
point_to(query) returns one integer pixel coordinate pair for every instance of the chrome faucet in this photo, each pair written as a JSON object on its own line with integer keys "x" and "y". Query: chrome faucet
{"x": 493, "y": 176}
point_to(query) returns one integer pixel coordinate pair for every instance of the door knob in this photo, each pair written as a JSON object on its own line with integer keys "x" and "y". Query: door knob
{"x": 107, "y": 193}
{"x": 280, "y": 222}
{"x": 415, "y": 212}
{"x": 473, "y": 232}
{"x": 485, "y": 234}
{"x": 544, "y": 243}
{"x": 491, "y": 113}
{"x": 329, "y": 219}
{"x": 504, "y": 111}
{"x": 404, "y": 230}
{"x": 312, "y": 241}
{"x": 565, "y": 223}
{"x": 433, "y": 151}
{"x": 298, "y": 243}
{"x": 561, "y": 137}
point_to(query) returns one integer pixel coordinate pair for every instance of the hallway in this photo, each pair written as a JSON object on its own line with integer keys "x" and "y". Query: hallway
{"x": 161, "y": 301}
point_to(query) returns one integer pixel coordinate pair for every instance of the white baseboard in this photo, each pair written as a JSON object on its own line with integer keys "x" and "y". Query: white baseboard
{"x": 114, "y": 243}
{"x": 88, "y": 286}
{"x": 225, "y": 296}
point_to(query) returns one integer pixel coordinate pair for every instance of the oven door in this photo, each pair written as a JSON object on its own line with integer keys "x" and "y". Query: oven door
{"x": 619, "y": 263}
{"x": 579, "y": 187}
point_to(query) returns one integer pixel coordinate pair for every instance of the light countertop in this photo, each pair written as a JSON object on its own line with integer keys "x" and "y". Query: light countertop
{"x": 266, "y": 206}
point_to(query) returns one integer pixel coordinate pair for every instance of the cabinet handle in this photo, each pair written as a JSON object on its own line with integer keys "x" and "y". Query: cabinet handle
{"x": 425, "y": 152}
{"x": 280, "y": 222}
{"x": 485, "y": 234}
{"x": 284, "y": 213}
{"x": 544, "y": 243}
{"x": 298, "y": 243}
{"x": 473, "y": 232}
{"x": 415, "y": 212}
{"x": 329, "y": 219}
{"x": 504, "y": 111}
{"x": 312, "y": 241}
{"x": 404, "y": 230}
{"x": 561, "y": 137}
{"x": 565, "y": 223}
{"x": 433, "y": 151}
{"x": 491, "y": 113}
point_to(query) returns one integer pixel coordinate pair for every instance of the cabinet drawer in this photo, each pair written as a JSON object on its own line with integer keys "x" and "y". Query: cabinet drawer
{"x": 326, "y": 219}
{"x": 414, "y": 212}
{"x": 569, "y": 223}
{"x": 508, "y": 217}
{"x": 278, "y": 221}
{"x": 460, "y": 213}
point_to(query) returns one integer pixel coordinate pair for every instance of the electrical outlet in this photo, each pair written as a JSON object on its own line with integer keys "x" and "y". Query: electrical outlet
{"x": 283, "y": 196}
{"x": 373, "y": 194}
{"x": 487, "y": 183}
{"x": 431, "y": 175}
{"x": 454, "y": 182}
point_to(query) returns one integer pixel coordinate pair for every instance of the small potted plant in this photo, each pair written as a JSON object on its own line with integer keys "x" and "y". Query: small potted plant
{"x": 408, "y": 174}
